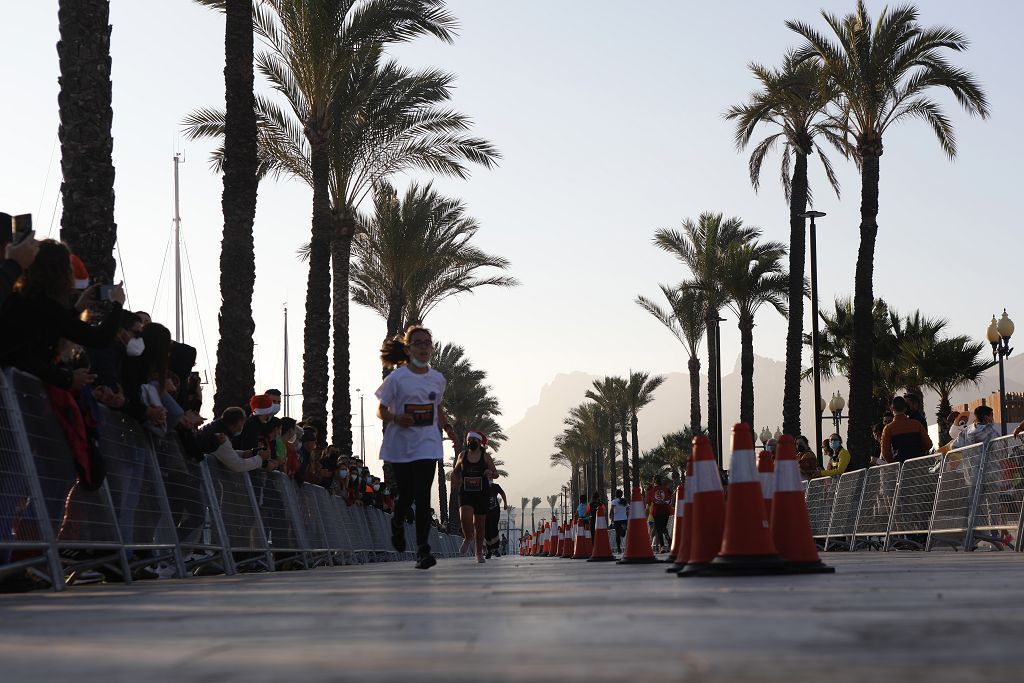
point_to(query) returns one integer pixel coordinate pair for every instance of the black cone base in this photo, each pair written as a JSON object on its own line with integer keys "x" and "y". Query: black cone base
{"x": 638, "y": 560}
{"x": 675, "y": 568}
{"x": 610, "y": 558}
{"x": 747, "y": 565}
{"x": 692, "y": 569}
{"x": 818, "y": 567}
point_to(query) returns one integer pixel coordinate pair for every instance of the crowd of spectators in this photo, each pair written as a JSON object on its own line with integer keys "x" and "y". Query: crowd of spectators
{"x": 93, "y": 355}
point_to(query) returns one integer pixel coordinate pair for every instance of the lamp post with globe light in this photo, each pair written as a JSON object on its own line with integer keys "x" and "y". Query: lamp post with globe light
{"x": 835, "y": 406}
{"x": 998, "y": 335}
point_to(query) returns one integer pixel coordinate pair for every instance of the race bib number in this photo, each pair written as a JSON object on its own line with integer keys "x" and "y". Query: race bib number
{"x": 473, "y": 484}
{"x": 422, "y": 414}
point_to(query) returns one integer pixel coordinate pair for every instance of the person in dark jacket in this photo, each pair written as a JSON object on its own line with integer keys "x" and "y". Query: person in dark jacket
{"x": 214, "y": 438}
{"x": 904, "y": 438}
{"x": 17, "y": 259}
{"x": 38, "y": 315}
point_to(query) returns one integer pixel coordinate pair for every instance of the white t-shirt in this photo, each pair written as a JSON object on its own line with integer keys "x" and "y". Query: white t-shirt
{"x": 620, "y": 511}
{"x": 404, "y": 391}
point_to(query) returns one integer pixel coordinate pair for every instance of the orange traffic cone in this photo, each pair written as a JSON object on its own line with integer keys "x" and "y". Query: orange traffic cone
{"x": 766, "y": 473}
{"x": 791, "y": 527}
{"x": 556, "y": 545}
{"x": 677, "y": 528}
{"x": 747, "y": 546}
{"x": 638, "y": 538}
{"x": 570, "y": 540}
{"x": 602, "y": 548}
{"x": 545, "y": 550}
{"x": 583, "y": 546}
{"x": 707, "y": 520}
{"x": 684, "y": 524}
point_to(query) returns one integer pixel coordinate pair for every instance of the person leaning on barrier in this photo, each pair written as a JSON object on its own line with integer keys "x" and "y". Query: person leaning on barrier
{"x": 982, "y": 430}
{"x": 215, "y": 439}
{"x": 904, "y": 438}
{"x": 17, "y": 259}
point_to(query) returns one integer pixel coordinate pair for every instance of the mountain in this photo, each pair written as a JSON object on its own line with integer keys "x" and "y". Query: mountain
{"x": 530, "y": 440}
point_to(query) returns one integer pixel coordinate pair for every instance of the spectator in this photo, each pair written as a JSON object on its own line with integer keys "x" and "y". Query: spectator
{"x": 876, "y": 446}
{"x": 289, "y": 440}
{"x": 839, "y": 461}
{"x": 275, "y": 400}
{"x": 262, "y": 407}
{"x": 581, "y": 509}
{"x": 914, "y": 410}
{"x": 215, "y": 439}
{"x": 306, "y": 453}
{"x": 904, "y": 438}
{"x": 771, "y": 445}
{"x": 982, "y": 430}
{"x": 620, "y": 518}
{"x": 149, "y": 386}
{"x": 327, "y": 465}
{"x": 270, "y": 440}
{"x": 17, "y": 259}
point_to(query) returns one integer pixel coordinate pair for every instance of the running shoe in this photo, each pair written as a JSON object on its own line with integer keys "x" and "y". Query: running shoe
{"x": 425, "y": 561}
{"x": 397, "y": 534}
{"x": 480, "y": 560}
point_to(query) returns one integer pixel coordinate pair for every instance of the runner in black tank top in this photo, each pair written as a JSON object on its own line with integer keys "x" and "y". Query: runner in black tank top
{"x": 470, "y": 477}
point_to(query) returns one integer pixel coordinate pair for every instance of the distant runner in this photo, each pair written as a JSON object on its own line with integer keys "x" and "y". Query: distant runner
{"x": 471, "y": 478}
{"x": 659, "y": 504}
{"x": 620, "y": 518}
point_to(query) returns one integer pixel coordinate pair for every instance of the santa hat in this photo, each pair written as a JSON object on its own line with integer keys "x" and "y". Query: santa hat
{"x": 80, "y": 273}
{"x": 479, "y": 436}
{"x": 261, "y": 404}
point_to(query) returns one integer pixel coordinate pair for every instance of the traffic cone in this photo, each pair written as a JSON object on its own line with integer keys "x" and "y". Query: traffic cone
{"x": 638, "y": 538}
{"x": 556, "y": 546}
{"x": 707, "y": 520}
{"x": 570, "y": 540}
{"x": 766, "y": 473}
{"x": 790, "y": 525}
{"x": 545, "y": 550}
{"x": 684, "y": 524}
{"x": 747, "y": 546}
{"x": 602, "y": 548}
{"x": 677, "y": 528}
{"x": 583, "y": 546}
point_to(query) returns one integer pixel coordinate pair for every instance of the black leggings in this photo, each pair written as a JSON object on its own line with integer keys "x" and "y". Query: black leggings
{"x": 415, "y": 480}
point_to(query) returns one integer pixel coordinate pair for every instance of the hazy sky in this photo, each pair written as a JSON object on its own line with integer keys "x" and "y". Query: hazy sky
{"x": 609, "y": 119}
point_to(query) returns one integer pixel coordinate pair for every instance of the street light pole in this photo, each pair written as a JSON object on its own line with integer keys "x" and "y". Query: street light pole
{"x": 998, "y": 335}
{"x": 718, "y": 389}
{"x": 816, "y": 361}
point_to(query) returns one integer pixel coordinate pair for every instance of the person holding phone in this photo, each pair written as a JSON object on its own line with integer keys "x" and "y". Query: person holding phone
{"x": 410, "y": 407}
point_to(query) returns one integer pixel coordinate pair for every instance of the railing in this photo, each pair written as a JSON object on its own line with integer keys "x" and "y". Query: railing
{"x": 965, "y": 497}
{"x": 158, "y": 505}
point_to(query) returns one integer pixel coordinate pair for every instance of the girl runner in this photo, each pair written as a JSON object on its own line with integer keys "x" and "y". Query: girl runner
{"x": 470, "y": 476}
{"x": 410, "y": 407}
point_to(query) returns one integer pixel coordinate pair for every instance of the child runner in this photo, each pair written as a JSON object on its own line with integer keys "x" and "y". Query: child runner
{"x": 471, "y": 477}
{"x": 410, "y": 407}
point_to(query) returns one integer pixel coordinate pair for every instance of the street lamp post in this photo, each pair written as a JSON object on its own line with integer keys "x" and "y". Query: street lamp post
{"x": 814, "y": 324}
{"x": 835, "y": 406}
{"x": 718, "y": 389}
{"x": 998, "y": 335}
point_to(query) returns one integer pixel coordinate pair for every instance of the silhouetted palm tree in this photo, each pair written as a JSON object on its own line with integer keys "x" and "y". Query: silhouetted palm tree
{"x": 640, "y": 390}
{"x": 534, "y": 502}
{"x": 882, "y": 73}
{"x": 945, "y": 365}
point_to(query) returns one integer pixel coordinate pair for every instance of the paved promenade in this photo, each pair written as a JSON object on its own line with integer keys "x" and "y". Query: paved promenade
{"x": 896, "y": 617}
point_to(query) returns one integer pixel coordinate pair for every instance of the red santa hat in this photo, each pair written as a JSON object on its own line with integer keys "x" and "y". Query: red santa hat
{"x": 261, "y": 404}
{"x": 80, "y": 273}
{"x": 479, "y": 436}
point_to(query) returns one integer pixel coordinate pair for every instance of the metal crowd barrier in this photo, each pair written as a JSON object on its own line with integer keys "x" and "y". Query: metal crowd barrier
{"x": 158, "y": 505}
{"x": 966, "y": 496}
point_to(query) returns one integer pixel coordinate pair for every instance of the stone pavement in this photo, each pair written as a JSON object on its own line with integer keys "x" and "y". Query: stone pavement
{"x": 932, "y": 617}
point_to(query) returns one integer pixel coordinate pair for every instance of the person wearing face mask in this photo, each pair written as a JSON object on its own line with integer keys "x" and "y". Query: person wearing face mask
{"x": 410, "y": 408}
{"x": 214, "y": 439}
{"x": 262, "y": 407}
{"x": 471, "y": 478}
{"x": 840, "y": 457}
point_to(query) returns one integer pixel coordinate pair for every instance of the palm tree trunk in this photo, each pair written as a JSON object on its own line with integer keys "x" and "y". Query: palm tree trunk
{"x": 317, "y": 340}
{"x": 236, "y": 372}
{"x": 861, "y": 359}
{"x": 795, "y": 331}
{"x": 86, "y": 144}
{"x": 693, "y": 365}
{"x": 624, "y": 443}
{"x": 625, "y": 462}
{"x": 712, "y": 324}
{"x": 612, "y": 464}
{"x": 636, "y": 448}
{"x": 341, "y": 259}
{"x": 945, "y": 408}
{"x": 599, "y": 466}
{"x": 746, "y": 326}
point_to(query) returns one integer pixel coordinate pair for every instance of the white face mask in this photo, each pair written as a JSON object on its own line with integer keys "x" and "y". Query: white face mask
{"x": 135, "y": 347}
{"x": 418, "y": 363}
{"x": 342, "y": 473}
{"x": 275, "y": 408}
{"x": 376, "y": 487}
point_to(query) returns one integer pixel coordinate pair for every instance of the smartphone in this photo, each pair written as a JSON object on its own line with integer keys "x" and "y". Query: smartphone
{"x": 104, "y": 292}
{"x": 22, "y": 227}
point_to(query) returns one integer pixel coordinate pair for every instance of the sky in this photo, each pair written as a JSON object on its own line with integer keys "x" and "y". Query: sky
{"x": 609, "y": 119}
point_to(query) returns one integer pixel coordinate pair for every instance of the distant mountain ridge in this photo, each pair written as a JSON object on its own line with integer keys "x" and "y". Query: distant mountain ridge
{"x": 530, "y": 440}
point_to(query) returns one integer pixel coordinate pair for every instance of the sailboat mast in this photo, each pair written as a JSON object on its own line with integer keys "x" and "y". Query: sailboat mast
{"x": 178, "y": 317}
{"x": 287, "y": 391}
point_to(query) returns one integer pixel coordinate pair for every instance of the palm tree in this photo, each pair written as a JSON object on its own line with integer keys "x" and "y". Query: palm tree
{"x": 640, "y": 390}
{"x": 86, "y": 143}
{"x": 791, "y": 102}
{"x": 946, "y": 365}
{"x": 534, "y": 502}
{"x": 701, "y": 246}
{"x": 606, "y": 392}
{"x": 684, "y": 318}
{"x": 586, "y": 428}
{"x": 369, "y": 119}
{"x": 414, "y": 253}
{"x": 552, "y": 503}
{"x": 752, "y": 276}
{"x": 882, "y": 74}
{"x": 236, "y": 372}
{"x": 522, "y": 506}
